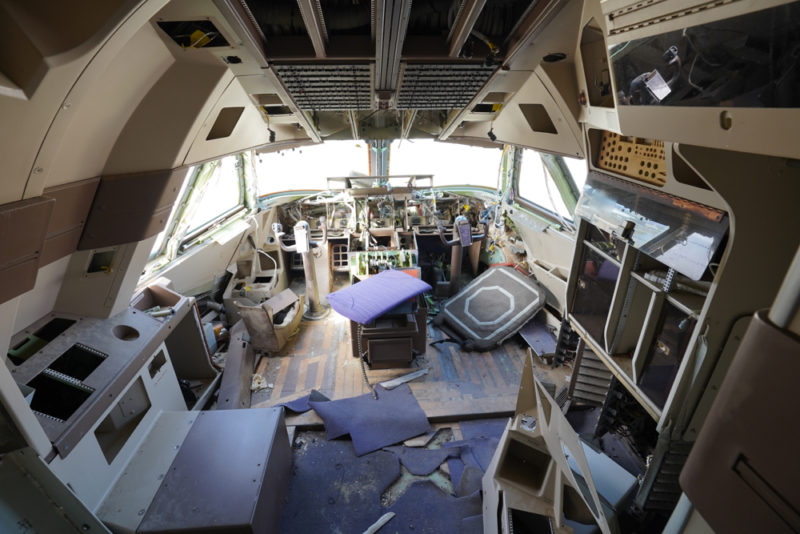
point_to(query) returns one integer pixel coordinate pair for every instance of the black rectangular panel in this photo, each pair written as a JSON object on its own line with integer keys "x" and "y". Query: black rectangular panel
{"x": 747, "y": 61}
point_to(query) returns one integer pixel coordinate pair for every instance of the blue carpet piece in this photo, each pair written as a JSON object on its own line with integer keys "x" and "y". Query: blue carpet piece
{"x": 302, "y": 405}
{"x": 422, "y": 461}
{"x": 471, "y": 480}
{"x": 393, "y": 417}
{"x": 332, "y": 490}
{"x": 472, "y": 525}
{"x": 456, "y": 467}
{"x": 425, "y": 509}
{"x": 483, "y": 428}
{"x": 476, "y": 452}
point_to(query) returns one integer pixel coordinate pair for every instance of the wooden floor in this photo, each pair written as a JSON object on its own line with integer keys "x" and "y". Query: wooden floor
{"x": 459, "y": 385}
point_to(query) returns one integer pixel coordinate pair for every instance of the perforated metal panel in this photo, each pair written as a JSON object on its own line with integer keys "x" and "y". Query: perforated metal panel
{"x": 637, "y": 158}
{"x": 327, "y": 87}
{"x": 441, "y": 86}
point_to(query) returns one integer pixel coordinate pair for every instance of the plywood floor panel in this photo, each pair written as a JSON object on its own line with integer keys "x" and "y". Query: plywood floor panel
{"x": 460, "y": 385}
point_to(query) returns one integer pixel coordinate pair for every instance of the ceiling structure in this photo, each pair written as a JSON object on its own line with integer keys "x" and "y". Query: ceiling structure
{"x": 387, "y": 69}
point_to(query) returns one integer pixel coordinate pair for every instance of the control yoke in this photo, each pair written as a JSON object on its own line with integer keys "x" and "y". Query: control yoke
{"x": 303, "y": 245}
{"x": 462, "y": 233}
{"x": 462, "y": 237}
{"x": 302, "y": 236}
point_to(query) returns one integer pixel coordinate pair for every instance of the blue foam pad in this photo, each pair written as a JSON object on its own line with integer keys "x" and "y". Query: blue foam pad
{"x": 393, "y": 417}
{"x": 365, "y": 301}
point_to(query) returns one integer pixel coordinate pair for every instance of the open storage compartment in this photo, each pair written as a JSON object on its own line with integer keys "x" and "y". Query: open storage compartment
{"x": 57, "y": 397}
{"x": 186, "y": 345}
{"x": 33, "y": 343}
{"x": 190, "y": 357}
{"x": 597, "y": 276}
{"x": 640, "y": 278}
{"x": 155, "y": 295}
{"x": 656, "y": 365}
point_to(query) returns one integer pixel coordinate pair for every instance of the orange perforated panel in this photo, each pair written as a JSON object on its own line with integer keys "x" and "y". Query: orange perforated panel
{"x": 634, "y": 157}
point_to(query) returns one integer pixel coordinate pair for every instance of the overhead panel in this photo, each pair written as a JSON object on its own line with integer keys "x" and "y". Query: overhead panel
{"x": 441, "y": 86}
{"x": 327, "y": 87}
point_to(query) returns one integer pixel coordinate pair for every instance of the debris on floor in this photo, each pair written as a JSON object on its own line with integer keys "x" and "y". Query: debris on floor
{"x": 394, "y": 382}
{"x": 385, "y": 518}
{"x": 259, "y": 382}
{"x": 334, "y": 490}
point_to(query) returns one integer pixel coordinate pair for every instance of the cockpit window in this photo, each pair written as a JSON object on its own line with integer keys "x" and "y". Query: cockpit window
{"x": 309, "y": 167}
{"x": 538, "y": 186}
{"x": 212, "y": 194}
{"x": 221, "y": 192}
{"x": 449, "y": 163}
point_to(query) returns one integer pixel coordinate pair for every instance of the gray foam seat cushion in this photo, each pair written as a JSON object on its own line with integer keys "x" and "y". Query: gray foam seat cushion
{"x": 492, "y": 307}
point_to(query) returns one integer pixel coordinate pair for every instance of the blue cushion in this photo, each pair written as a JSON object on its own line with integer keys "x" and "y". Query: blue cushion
{"x": 365, "y": 301}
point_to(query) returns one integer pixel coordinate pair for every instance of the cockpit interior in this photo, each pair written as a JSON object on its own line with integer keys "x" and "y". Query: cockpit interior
{"x": 419, "y": 266}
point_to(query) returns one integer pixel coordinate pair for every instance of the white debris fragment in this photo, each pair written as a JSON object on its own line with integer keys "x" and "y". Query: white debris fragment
{"x": 385, "y": 518}
{"x": 258, "y": 383}
{"x": 394, "y": 382}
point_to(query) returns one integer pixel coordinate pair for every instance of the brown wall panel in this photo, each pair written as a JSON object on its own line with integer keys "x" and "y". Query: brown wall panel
{"x": 131, "y": 207}
{"x": 73, "y": 201}
{"x": 23, "y": 226}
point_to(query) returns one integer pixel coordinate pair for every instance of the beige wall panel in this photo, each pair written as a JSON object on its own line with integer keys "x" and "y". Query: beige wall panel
{"x": 558, "y": 36}
{"x": 261, "y": 84}
{"x": 250, "y": 130}
{"x": 511, "y": 126}
{"x": 157, "y": 132}
{"x": 40, "y": 300}
{"x": 549, "y": 252}
{"x": 601, "y": 117}
{"x": 102, "y": 294}
{"x": 195, "y": 271}
{"x": 666, "y": 11}
{"x": 777, "y": 128}
{"x": 25, "y": 123}
{"x": 64, "y": 31}
{"x": 10, "y": 394}
{"x": 102, "y": 111}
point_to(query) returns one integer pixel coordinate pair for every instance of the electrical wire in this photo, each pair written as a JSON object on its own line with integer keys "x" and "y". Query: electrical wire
{"x": 362, "y": 356}
{"x": 274, "y": 282}
{"x": 616, "y": 52}
{"x": 206, "y": 34}
{"x": 563, "y": 221}
{"x": 689, "y": 79}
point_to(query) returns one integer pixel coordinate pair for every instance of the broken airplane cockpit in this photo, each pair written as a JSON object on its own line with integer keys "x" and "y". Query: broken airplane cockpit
{"x": 379, "y": 266}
